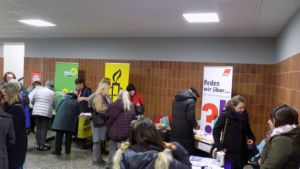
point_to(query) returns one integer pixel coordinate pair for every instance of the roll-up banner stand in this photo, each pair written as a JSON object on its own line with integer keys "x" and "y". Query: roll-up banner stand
{"x": 119, "y": 75}
{"x": 217, "y": 88}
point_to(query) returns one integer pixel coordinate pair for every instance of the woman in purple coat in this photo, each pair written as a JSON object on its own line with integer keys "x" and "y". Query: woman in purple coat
{"x": 119, "y": 116}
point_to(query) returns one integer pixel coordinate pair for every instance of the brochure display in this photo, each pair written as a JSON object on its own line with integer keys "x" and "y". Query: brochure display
{"x": 217, "y": 86}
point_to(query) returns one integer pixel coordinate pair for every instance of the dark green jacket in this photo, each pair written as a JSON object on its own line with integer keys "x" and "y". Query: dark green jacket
{"x": 67, "y": 112}
{"x": 282, "y": 151}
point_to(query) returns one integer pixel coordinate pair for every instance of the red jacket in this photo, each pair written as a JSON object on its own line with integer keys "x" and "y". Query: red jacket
{"x": 137, "y": 98}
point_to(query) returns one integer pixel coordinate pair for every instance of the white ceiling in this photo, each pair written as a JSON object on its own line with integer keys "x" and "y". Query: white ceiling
{"x": 145, "y": 18}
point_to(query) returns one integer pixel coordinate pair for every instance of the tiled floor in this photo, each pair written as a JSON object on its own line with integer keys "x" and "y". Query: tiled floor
{"x": 79, "y": 158}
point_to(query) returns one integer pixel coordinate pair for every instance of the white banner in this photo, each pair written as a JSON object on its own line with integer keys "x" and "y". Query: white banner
{"x": 217, "y": 86}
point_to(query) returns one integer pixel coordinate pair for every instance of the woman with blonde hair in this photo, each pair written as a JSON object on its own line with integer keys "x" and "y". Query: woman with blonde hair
{"x": 98, "y": 102}
{"x": 12, "y": 105}
{"x": 234, "y": 123}
{"x": 119, "y": 117}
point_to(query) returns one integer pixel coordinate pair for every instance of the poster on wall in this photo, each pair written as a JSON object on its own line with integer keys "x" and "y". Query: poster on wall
{"x": 217, "y": 87}
{"x": 119, "y": 75}
{"x": 65, "y": 76}
{"x": 36, "y": 76}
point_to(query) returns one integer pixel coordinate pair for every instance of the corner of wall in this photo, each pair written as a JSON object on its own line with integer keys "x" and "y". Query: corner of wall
{"x": 287, "y": 42}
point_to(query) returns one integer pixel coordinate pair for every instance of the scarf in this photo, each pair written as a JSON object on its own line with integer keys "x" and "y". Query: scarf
{"x": 282, "y": 129}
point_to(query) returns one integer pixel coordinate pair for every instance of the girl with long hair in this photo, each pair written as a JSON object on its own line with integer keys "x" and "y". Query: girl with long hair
{"x": 147, "y": 150}
{"x": 12, "y": 105}
{"x": 282, "y": 150}
{"x": 234, "y": 123}
{"x": 119, "y": 117}
{"x": 98, "y": 102}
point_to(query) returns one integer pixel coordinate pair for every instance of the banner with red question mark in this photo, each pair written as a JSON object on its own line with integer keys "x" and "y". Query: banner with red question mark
{"x": 217, "y": 87}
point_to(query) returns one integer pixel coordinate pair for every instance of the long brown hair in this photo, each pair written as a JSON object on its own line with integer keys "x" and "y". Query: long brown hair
{"x": 283, "y": 115}
{"x": 145, "y": 133}
{"x": 234, "y": 101}
{"x": 5, "y": 76}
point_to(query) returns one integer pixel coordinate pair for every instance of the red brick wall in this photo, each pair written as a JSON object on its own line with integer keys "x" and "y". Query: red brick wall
{"x": 158, "y": 81}
{"x": 286, "y": 88}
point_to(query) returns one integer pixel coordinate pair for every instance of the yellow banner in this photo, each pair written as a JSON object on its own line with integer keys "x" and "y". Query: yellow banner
{"x": 119, "y": 75}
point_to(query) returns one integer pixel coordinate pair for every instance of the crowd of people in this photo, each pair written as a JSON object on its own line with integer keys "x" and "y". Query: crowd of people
{"x": 136, "y": 142}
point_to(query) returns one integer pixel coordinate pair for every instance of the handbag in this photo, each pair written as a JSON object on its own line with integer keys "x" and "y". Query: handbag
{"x": 98, "y": 119}
{"x": 214, "y": 150}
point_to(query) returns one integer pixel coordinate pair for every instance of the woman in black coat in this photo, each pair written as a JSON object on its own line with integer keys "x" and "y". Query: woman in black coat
{"x": 11, "y": 104}
{"x": 7, "y": 136}
{"x": 237, "y": 133}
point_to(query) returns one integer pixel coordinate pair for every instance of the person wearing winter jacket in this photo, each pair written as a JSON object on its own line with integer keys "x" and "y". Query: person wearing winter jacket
{"x": 7, "y": 136}
{"x": 64, "y": 122}
{"x": 146, "y": 150}
{"x": 98, "y": 103}
{"x": 24, "y": 99}
{"x": 237, "y": 135}
{"x": 183, "y": 115}
{"x": 11, "y": 105}
{"x": 282, "y": 150}
{"x": 119, "y": 117}
{"x": 43, "y": 103}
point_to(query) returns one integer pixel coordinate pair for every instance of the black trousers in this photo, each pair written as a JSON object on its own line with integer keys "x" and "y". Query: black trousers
{"x": 41, "y": 129}
{"x": 59, "y": 141}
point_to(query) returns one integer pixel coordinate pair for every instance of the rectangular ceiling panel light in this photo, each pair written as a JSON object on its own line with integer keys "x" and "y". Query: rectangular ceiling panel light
{"x": 201, "y": 17}
{"x": 37, "y": 22}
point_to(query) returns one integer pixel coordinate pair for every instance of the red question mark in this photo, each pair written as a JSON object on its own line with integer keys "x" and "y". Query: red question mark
{"x": 214, "y": 112}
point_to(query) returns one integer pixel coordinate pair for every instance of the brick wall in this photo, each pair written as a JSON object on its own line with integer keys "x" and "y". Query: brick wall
{"x": 286, "y": 88}
{"x": 158, "y": 82}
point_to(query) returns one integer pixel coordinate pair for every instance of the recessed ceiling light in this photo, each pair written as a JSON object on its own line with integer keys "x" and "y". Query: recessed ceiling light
{"x": 201, "y": 17}
{"x": 37, "y": 22}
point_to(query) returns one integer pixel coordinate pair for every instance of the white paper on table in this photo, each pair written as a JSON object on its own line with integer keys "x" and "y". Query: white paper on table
{"x": 87, "y": 114}
{"x": 202, "y": 162}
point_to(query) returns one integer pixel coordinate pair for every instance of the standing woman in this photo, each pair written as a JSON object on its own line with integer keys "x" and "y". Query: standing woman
{"x": 7, "y": 135}
{"x": 237, "y": 132}
{"x": 282, "y": 150}
{"x": 98, "y": 102}
{"x": 11, "y": 104}
{"x": 119, "y": 117}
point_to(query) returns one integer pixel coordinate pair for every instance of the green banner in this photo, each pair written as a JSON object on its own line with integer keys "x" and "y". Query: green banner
{"x": 65, "y": 76}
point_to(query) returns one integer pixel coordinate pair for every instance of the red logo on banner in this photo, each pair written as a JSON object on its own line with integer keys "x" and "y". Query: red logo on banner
{"x": 226, "y": 72}
{"x": 36, "y": 76}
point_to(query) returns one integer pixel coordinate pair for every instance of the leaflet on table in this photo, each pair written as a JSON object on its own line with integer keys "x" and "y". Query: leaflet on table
{"x": 204, "y": 137}
{"x": 204, "y": 162}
